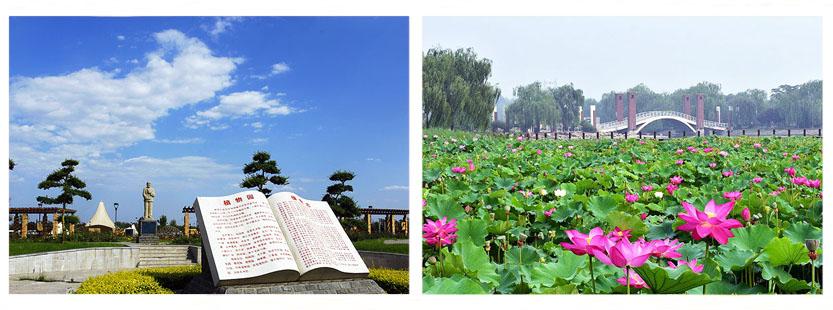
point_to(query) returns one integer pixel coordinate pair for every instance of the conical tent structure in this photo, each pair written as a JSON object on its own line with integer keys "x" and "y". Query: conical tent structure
{"x": 101, "y": 219}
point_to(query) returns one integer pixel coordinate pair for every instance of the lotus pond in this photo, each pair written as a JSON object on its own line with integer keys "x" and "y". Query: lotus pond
{"x": 713, "y": 215}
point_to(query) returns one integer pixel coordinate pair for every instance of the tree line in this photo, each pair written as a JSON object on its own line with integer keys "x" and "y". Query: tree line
{"x": 258, "y": 175}
{"x": 457, "y": 94}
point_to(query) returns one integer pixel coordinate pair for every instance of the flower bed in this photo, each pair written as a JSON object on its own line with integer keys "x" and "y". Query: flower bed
{"x": 160, "y": 280}
{"x": 390, "y": 280}
{"x": 715, "y": 215}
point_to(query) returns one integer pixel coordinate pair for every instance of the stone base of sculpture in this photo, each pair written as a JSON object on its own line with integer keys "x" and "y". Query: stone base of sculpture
{"x": 147, "y": 231}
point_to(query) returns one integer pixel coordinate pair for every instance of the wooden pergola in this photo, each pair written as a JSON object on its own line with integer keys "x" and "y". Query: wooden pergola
{"x": 21, "y": 218}
{"x": 390, "y": 221}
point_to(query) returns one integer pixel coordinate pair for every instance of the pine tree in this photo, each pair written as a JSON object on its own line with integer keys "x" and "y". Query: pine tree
{"x": 343, "y": 206}
{"x": 262, "y": 171}
{"x": 70, "y": 186}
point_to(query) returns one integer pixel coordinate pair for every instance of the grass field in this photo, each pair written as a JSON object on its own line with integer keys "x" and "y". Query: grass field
{"x": 378, "y": 245}
{"x": 19, "y": 247}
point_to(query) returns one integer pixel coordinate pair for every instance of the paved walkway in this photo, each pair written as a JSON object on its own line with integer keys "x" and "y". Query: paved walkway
{"x": 37, "y": 287}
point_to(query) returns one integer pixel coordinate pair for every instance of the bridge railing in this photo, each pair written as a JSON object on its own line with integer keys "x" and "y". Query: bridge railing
{"x": 642, "y": 116}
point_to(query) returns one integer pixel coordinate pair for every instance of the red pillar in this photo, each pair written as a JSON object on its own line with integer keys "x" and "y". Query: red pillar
{"x": 631, "y": 111}
{"x": 700, "y": 112}
{"x": 620, "y": 108}
{"x": 687, "y": 105}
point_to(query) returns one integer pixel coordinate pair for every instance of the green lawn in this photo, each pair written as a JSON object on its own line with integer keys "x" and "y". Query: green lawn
{"x": 18, "y": 247}
{"x": 378, "y": 245}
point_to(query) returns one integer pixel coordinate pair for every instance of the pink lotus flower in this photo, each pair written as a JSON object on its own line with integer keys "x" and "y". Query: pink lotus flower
{"x": 814, "y": 183}
{"x": 625, "y": 254}
{"x": 692, "y": 265}
{"x": 796, "y": 157}
{"x": 676, "y": 180}
{"x": 641, "y": 142}
{"x": 618, "y": 234}
{"x": 757, "y": 180}
{"x": 458, "y": 170}
{"x": 680, "y": 162}
{"x": 680, "y": 151}
{"x": 728, "y": 173}
{"x": 549, "y": 212}
{"x": 756, "y": 145}
{"x": 785, "y": 154}
{"x": 539, "y": 152}
{"x": 800, "y": 181}
{"x": 711, "y": 222}
{"x": 441, "y": 232}
{"x": 520, "y": 138}
{"x": 666, "y": 248}
{"x": 712, "y": 165}
{"x": 631, "y": 198}
{"x": 568, "y": 154}
{"x": 775, "y": 193}
{"x": 692, "y": 149}
{"x": 790, "y": 171}
{"x": 471, "y": 164}
{"x": 671, "y": 188}
{"x": 745, "y": 214}
{"x": 723, "y": 153}
{"x": 639, "y": 162}
{"x": 636, "y": 281}
{"x": 736, "y": 145}
{"x": 585, "y": 244}
{"x": 643, "y": 216}
{"x": 732, "y": 195}
{"x": 647, "y": 188}
{"x": 707, "y": 150}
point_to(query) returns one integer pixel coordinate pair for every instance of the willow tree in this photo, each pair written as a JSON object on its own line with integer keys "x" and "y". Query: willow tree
{"x": 342, "y": 205}
{"x": 70, "y": 185}
{"x": 533, "y": 107}
{"x": 456, "y": 92}
{"x": 568, "y": 99}
{"x": 262, "y": 171}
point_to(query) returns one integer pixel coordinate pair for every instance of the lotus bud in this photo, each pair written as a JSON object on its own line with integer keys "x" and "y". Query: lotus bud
{"x": 745, "y": 214}
{"x": 467, "y": 209}
{"x": 812, "y": 245}
{"x": 767, "y": 209}
{"x": 432, "y": 260}
{"x": 521, "y": 239}
{"x": 492, "y": 216}
{"x": 507, "y": 209}
{"x": 488, "y": 245}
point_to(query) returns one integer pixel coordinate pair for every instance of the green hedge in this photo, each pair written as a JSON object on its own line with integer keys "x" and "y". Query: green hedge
{"x": 159, "y": 280}
{"x": 392, "y": 281}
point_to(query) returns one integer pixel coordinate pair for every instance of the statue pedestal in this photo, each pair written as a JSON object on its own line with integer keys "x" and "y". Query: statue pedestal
{"x": 147, "y": 231}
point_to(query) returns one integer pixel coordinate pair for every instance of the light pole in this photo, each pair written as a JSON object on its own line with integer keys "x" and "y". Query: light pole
{"x": 116, "y": 206}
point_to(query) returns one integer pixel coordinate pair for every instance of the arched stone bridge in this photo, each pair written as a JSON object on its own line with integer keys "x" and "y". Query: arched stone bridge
{"x": 645, "y": 118}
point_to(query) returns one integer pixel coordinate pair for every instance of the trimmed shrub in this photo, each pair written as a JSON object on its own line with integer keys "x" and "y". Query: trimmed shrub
{"x": 158, "y": 280}
{"x": 390, "y": 280}
{"x": 122, "y": 282}
{"x": 172, "y": 277}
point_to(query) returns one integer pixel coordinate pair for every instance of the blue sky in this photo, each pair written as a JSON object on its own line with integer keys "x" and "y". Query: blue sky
{"x": 183, "y": 102}
{"x": 601, "y": 54}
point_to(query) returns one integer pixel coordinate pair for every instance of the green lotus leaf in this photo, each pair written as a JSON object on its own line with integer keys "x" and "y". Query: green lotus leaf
{"x": 472, "y": 230}
{"x": 752, "y": 238}
{"x": 801, "y": 231}
{"x": 663, "y": 280}
{"x": 782, "y": 251}
{"x": 454, "y": 285}
{"x": 627, "y": 221}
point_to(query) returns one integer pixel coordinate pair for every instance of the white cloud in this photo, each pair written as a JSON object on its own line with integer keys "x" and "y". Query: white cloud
{"x": 279, "y": 68}
{"x": 395, "y": 188}
{"x": 373, "y": 159}
{"x": 89, "y": 111}
{"x": 259, "y": 140}
{"x": 236, "y": 105}
{"x": 221, "y": 24}
{"x": 181, "y": 141}
{"x": 120, "y": 37}
{"x": 256, "y": 125}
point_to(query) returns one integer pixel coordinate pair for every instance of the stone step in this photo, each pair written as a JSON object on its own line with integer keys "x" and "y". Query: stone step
{"x": 165, "y": 263}
{"x": 156, "y": 259}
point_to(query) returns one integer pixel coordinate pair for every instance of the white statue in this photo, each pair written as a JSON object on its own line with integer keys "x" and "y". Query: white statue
{"x": 148, "y": 194}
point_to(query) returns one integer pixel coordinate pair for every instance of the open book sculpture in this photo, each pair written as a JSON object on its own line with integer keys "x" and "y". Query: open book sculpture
{"x": 249, "y": 239}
